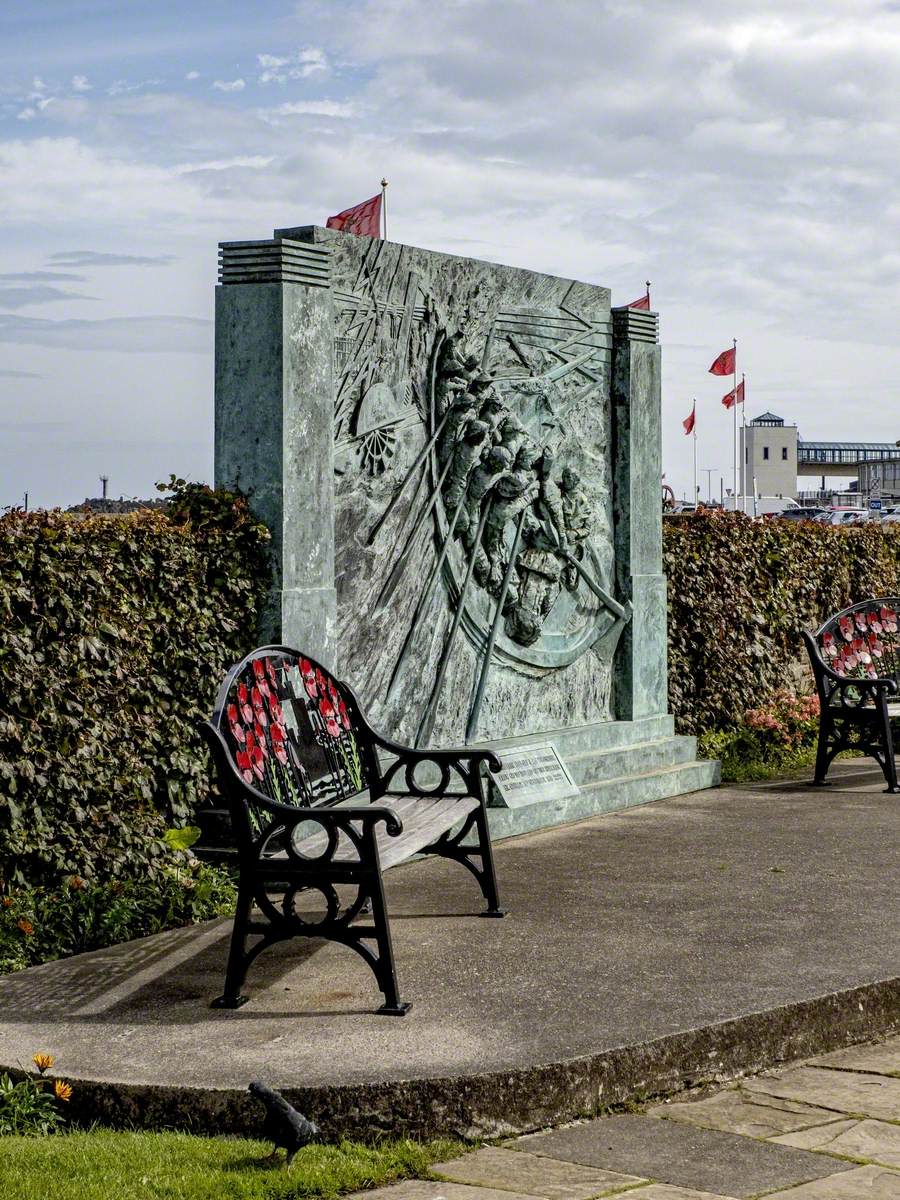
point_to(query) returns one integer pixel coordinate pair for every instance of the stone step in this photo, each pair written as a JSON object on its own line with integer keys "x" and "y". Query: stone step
{"x": 593, "y": 766}
{"x": 603, "y": 735}
{"x": 607, "y": 795}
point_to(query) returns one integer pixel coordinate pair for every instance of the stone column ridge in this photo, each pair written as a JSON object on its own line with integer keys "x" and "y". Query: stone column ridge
{"x": 275, "y": 260}
{"x": 635, "y": 325}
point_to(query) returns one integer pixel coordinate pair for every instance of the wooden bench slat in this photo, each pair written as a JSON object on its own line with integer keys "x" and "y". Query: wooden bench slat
{"x": 424, "y": 820}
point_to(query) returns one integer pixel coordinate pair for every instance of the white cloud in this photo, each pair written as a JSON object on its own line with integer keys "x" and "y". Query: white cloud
{"x": 255, "y": 162}
{"x": 301, "y": 65}
{"x": 229, "y": 85}
{"x": 309, "y": 108}
{"x": 80, "y": 83}
{"x": 27, "y": 114}
{"x": 192, "y": 75}
{"x": 121, "y": 87}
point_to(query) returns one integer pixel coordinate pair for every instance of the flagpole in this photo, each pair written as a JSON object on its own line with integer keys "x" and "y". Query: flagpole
{"x": 734, "y": 440}
{"x": 648, "y": 294}
{"x": 384, "y": 184}
{"x": 694, "y": 432}
{"x": 744, "y": 441}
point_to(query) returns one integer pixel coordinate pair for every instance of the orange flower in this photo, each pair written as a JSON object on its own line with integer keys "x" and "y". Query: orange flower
{"x": 7, "y": 902}
{"x": 62, "y": 1091}
{"x": 26, "y": 927}
{"x": 43, "y": 1062}
{"x": 76, "y": 883}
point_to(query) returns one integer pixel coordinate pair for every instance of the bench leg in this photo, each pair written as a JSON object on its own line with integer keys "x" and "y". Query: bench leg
{"x": 236, "y": 971}
{"x": 488, "y": 876}
{"x": 383, "y": 966}
{"x": 889, "y": 766}
{"x": 823, "y": 759}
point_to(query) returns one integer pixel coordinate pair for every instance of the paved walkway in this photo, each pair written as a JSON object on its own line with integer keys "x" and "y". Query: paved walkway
{"x": 824, "y": 1129}
{"x": 690, "y": 939}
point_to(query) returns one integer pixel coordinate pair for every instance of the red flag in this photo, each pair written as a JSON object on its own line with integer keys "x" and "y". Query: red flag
{"x": 724, "y": 364}
{"x": 364, "y": 219}
{"x": 690, "y": 420}
{"x": 643, "y": 303}
{"x": 735, "y": 396}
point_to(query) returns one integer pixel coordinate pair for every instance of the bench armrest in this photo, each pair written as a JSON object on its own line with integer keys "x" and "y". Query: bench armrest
{"x": 412, "y": 754}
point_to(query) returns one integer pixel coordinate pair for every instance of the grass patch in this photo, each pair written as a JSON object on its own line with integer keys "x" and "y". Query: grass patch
{"x": 105, "y": 1164}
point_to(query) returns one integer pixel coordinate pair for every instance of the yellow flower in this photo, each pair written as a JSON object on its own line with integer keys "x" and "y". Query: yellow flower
{"x": 43, "y": 1062}
{"x": 62, "y": 1091}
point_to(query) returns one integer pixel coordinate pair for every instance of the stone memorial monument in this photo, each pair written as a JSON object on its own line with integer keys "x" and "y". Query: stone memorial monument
{"x": 460, "y": 466}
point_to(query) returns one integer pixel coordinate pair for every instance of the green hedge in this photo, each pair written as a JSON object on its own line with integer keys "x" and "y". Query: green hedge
{"x": 115, "y": 633}
{"x": 741, "y": 592}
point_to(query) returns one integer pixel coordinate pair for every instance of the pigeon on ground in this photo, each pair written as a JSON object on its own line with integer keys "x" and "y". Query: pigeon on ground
{"x": 283, "y": 1124}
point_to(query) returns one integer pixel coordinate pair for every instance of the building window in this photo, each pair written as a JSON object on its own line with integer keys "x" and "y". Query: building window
{"x": 765, "y": 451}
{"x": 784, "y": 453}
{"x": 746, "y": 454}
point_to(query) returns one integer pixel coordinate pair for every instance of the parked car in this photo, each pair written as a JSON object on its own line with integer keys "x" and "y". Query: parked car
{"x": 844, "y": 516}
{"x": 801, "y": 514}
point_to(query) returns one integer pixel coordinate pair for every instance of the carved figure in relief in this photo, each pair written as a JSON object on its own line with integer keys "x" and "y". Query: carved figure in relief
{"x": 549, "y": 504}
{"x": 510, "y": 495}
{"x": 578, "y": 522}
{"x": 493, "y": 464}
{"x": 467, "y": 453}
{"x": 512, "y": 433}
{"x": 462, "y": 409}
{"x": 492, "y": 411}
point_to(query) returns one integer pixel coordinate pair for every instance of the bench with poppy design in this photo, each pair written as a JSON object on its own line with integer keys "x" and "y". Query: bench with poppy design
{"x": 320, "y": 804}
{"x": 855, "y": 659}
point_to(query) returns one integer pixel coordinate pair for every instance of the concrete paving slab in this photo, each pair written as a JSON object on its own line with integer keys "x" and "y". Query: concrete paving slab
{"x": 883, "y": 1059}
{"x": 426, "y": 1189}
{"x": 873, "y": 1141}
{"x": 664, "y": 1191}
{"x": 818, "y": 1137}
{"x": 843, "y": 1091}
{"x": 669, "y": 1152}
{"x": 864, "y": 1183}
{"x": 644, "y": 950}
{"x": 517, "y": 1170}
{"x": 737, "y": 1111}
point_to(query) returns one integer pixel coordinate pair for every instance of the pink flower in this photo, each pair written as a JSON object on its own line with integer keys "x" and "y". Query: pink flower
{"x": 861, "y": 621}
{"x": 278, "y": 747}
{"x": 257, "y": 762}
{"x": 237, "y": 731}
{"x": 326, "y": 708}
{"x": 846, "y": 627}
{"x": 343, "y": 714}
{"x": 259, "y": 669}
{"x": 243, "y": 761}
{"x": 874, "y": 623}
{"x": 276, "y": 710}
{"x": 333, "y": 728}
{"x": 270, "y": 671}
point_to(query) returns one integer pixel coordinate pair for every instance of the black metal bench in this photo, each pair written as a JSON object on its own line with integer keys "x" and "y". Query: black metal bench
{"x": 855, "y": 659}
{"x": 320, "y": 805}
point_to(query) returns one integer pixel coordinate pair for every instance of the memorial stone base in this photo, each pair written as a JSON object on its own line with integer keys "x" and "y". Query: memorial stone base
{"x": 460, "y": 466}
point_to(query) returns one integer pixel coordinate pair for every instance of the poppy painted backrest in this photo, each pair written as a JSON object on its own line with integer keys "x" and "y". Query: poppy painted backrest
{"x": 863, "y": 641}
{"x": 292, "y": 729}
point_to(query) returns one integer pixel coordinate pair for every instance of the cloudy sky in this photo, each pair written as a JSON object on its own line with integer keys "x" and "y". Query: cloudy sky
{"x": 741, "y": 154}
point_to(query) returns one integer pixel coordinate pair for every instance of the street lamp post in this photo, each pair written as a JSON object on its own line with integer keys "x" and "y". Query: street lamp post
{"x": 708, "y": 472}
